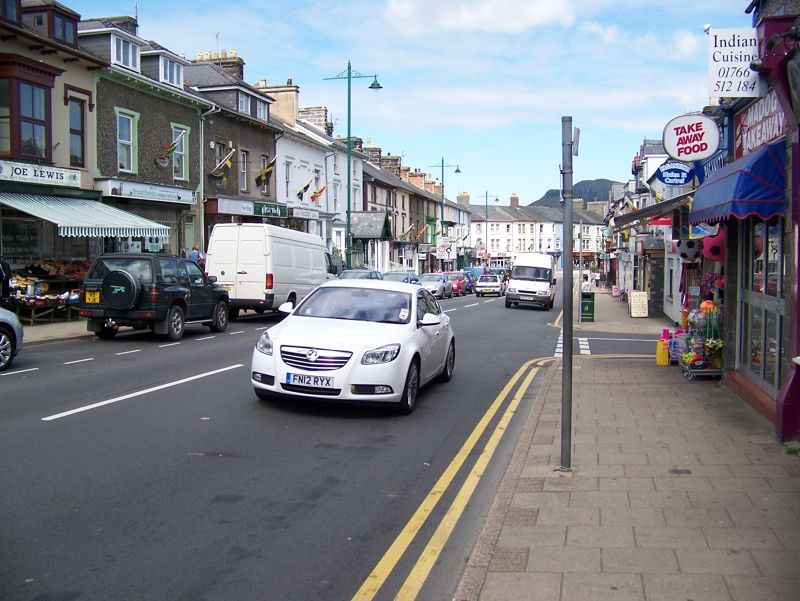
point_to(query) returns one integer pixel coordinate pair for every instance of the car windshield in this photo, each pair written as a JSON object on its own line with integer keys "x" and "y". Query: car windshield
{"x": 359, "y": 304}
{"x": 354, "y": 275}
{"x": 431, "y": 277}
{"x": 537, "y": 274}
{"x": 399, "y": 276}
{"x": 139, "y": 268}
{"x": 454, "y": 276}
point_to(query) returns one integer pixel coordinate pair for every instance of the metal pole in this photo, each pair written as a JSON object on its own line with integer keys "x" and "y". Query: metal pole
{"x": 486, "y": 233}
{"x": 441, "y": 220}
{"x": 566, "y": 286}
{"x": 580, "y": 262}
{"x": 347, "y": 242}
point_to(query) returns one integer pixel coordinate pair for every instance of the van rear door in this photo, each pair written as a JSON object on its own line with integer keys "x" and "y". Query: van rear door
{"x": 251, "y": 262}
{"x": 221, "y": 257}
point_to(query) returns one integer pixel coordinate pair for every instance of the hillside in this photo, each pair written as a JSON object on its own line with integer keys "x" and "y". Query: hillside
{"x": 588, "y": 190}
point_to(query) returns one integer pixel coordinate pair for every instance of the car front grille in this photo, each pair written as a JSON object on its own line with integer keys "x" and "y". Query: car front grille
{"x": 313, "y": 359}
{"x": 315, "y": 390}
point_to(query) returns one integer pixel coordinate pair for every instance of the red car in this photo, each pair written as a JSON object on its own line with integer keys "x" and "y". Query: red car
{"x": 459, "y": 282}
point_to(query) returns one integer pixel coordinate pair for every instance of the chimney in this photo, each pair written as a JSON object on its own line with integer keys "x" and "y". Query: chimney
{"x": 228, "y": 61}
{"x": 514, "y": 200}
{"x": 316, "y": 116}
{"x": 287, "y": 99}
{"x": 463, "y": 199}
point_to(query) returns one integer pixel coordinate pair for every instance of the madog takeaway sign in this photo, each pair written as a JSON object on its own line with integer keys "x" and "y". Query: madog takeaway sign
{"x": 691, "y": 137}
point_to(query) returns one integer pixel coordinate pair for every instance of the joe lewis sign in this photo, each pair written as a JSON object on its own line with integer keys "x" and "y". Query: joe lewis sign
{"x": 39, "y": 174}
{"x": 129, "y": 189}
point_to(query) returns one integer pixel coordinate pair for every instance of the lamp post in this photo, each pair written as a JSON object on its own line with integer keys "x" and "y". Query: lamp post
{"x": 441, "y": 219}
{"x": 486, "y": 224}
{"x": 349, "y": 75}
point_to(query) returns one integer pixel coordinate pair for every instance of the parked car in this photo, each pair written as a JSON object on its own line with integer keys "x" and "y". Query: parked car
{"x": 470, "y": 282}
{"x": 11, "y": 338}
{"x": 360, "y": 341}
{"x": 459, "y": 282}
{"x": 157, "y": 291}
{"x": 360, "y": 274}
{"x": 490, "y": 284}
{"x": 438, "y": 284}
{"x": 407, "y": 276}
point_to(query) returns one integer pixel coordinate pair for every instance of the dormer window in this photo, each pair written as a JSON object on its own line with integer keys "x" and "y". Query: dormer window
{"x": 64, "y": 30}
{"x": 171, "y": 72}
{"x": 244, "y": 103}
{"x": 9, "y": 10}
{"x": 261, "y": 110}
{"x": 125, "y": 53}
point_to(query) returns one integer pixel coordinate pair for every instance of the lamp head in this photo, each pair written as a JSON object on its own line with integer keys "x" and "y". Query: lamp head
{"x": 457, "y": 170}
{"x": 375, "y": 85}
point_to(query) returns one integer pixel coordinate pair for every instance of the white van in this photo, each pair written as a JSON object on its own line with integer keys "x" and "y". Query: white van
{"x": 531, "y": 281}
{"x": 264, "y": 266}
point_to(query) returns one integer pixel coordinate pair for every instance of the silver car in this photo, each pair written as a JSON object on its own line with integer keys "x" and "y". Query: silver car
{"x": 438, "y": 284}
{"x": 10, "y": 338}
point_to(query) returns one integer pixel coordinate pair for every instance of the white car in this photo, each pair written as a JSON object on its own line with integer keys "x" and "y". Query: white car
{"x": 359, "y": 341}
{"x": 490, "y": 284}
{"x": 11, "y": 338}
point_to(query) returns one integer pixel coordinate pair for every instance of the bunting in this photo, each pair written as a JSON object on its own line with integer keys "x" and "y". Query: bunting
{"x": 319, "y": 192}
{"x": 262, "y": 179}
{"x": 304, "y": 189}
{"x": 163, "y": 158}
{"x": 223, "y": 168}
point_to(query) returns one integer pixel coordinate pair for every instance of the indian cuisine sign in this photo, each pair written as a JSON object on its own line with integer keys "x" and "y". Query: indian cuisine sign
{"x": 691, "y": 137}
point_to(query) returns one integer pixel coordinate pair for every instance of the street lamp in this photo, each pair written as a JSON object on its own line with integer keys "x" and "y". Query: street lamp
{"x": 486, "y": 224}
{"x": 457, "y": 170}
{"x": 349, "y": 75}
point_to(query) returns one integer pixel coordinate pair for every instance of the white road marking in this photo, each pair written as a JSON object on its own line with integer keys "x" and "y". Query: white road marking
{"x": 237, "y": 332}
{"x": 262, "y": 328}
{"x": 559, "y": 345}
{"x": 138, "y": 350}
{"x": 170, "y": 344}
{"x": 78, "y": 361}
{"x": 490, "y": 300}
{"x": 205, "y": 338}
{"x": 450, "y": 310}
{"x": 583, "y": 345}
{"x": 472, "y": 305}
{"x": 19, "y": 371}
{"x": 140, "y": 393}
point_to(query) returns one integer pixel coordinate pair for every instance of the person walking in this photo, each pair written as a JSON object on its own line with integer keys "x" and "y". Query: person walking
{"x": 194, "y": 254}
{"x": 596, "y": 276}
{"x": 586, "y": 285}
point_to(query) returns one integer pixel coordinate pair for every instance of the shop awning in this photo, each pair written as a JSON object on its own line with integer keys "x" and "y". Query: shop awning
{"x": 752, "y": 185}
{"x": 654, "y": 211}
{"x": 83, "y": 217}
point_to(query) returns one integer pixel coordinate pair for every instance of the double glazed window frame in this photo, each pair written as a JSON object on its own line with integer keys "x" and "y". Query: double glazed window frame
{"x": 125, "y": 53}
{"x": 170, "y": 71}
{"x": 180, "y": 156}
{"x": 26, "y": 113}
{"x": 127, "y": 141}
{"x": 76, "y": 108}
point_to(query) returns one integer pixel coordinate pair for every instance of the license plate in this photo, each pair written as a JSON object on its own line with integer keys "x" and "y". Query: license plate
{"x": 93, "y": 296}
{"x": 526, "y": 298}
{"x": 305, "y": 380}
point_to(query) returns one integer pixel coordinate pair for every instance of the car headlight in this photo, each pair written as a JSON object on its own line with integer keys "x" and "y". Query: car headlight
{"x": 512, "y": 290}
{"x": 384, "y": 354}
{"x": 264, "y": 344}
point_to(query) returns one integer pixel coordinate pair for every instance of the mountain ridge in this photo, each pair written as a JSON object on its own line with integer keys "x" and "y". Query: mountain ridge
{"x": 589, "y": 190}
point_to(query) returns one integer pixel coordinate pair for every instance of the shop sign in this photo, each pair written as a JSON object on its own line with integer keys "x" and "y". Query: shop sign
{"x": 405, "y": 245}
{"x": 305, "y": 213}
{"x": 759, "y": 124}
{"x": 234, "y": 206}
{"x": 424, "y": 248}
{"x": 675, "y": 173}
{"x": 127, "y": 189}
{"x": 691, "y": 137}
{"x": 37, "y": 174}
{"x": 269, "y": 209}
{"x": 704, "y": 169}
{"x": 730, "y": 52}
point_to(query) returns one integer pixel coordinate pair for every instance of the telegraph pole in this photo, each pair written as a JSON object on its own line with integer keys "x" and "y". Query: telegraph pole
{"x": 566, "y": 287}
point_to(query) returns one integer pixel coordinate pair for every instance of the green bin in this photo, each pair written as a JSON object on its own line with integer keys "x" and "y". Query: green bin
{"x": 587, "y": 306}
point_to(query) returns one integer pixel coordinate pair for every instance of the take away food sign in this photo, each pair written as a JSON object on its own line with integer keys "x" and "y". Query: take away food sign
{"x": 691, "y": 137}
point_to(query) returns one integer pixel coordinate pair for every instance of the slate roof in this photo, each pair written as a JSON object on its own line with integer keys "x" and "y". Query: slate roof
{"x": 370, "y": 225}
{"x": 535, "y": 214}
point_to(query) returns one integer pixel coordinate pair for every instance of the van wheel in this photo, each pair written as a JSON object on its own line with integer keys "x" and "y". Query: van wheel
{"x": 219, "y": 320}
{"x": 233, "y": 313}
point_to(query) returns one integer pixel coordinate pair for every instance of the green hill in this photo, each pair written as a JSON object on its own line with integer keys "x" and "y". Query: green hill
{"x": 588, "y": 190}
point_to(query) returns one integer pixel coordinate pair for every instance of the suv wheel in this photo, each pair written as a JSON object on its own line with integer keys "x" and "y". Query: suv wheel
{"x": 219, "y": 321}
{"x": 7, "y": 349}
{"x": 120, "y": 290}
{"x": 175, "y": 323}
{"x": 106, "y": 333}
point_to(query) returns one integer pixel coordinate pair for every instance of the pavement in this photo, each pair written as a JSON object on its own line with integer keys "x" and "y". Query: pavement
{"x": 678, "y": 490}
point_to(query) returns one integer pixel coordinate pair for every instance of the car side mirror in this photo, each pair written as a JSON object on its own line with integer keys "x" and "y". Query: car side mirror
{"x": 286, "y": 307}
{"x": 429, "y": 319}
{"x": 212, "y": 278}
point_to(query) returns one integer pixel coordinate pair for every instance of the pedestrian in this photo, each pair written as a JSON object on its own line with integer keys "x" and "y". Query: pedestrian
{"x": 586, "y": 285}
{"x": 596, "y": 279}
{"x": 194, "y": 254}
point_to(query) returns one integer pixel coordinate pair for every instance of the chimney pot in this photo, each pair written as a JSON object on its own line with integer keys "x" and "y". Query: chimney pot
{"x": 207, "y": 55}
{"x": 233, "y": 53}
{"x": 198, "y": 56}
{"x": 224, "y": 54}
{"x": 216, "y": 56}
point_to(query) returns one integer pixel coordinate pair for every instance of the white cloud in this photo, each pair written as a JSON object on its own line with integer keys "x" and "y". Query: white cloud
{"x": 686, "y": 44}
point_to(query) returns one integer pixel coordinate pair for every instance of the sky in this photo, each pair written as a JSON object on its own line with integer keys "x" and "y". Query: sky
{"x": 478, "y": 84}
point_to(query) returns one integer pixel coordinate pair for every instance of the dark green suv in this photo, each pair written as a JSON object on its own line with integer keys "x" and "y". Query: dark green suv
{"x": 157, "y": 291}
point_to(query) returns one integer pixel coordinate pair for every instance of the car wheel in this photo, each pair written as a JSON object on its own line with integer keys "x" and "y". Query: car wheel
{"x": 411, "y": 389}
{"x": 451, "y": 294}
{"x": 107, "y": 333}
{"x": 219, "y": 320}
{"x": 7, "y": 348}
{"x": 508, "y": 304}
{"x": 175, "y": 323}
{"x": 449, "y": 364}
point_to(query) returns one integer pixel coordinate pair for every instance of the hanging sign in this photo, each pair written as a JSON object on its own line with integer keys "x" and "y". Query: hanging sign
{"x": 730, "y": 52}
{"x": 675, "y": 173}
{"x": 691, "y": 137}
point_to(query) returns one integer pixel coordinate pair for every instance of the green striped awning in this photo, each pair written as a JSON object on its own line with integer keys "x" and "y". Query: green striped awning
{"x": 77, "y": 217}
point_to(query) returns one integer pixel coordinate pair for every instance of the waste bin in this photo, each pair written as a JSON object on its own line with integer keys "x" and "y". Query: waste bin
{"x": 587, "y": 306}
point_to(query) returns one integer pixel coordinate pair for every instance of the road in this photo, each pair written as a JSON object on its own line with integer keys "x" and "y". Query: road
{"x": 142, "y": 470}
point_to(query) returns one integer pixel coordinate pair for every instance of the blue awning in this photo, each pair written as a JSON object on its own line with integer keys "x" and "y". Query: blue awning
{"x": 752, "y": 185}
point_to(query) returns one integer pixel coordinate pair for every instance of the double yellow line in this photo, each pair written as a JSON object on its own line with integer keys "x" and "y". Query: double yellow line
{"x": 419, "y": 573}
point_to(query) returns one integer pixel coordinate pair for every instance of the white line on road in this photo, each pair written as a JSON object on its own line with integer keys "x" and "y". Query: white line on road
{"x": 261, "y": 328}
{"x": 19, "y": 371}
{"x": 237, "y": 332}
{"x": 450, "y": 310}
{"x": 472, "y": 305}
{"x": 138, "y": 350}
{"x": 490, "y": 300}
{"x": 140, "y": 393}
{"x": 169, "y": 344}
{"x": 78, "y": 361}
{"x": 205, "y": 338}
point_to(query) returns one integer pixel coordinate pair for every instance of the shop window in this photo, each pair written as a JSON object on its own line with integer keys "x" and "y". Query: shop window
{"x": 180, "y": 168}
{"x": 77, "y": 132}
